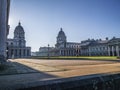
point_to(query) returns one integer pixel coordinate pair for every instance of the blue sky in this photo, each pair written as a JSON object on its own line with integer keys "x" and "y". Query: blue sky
{"x": 80, "y": 20}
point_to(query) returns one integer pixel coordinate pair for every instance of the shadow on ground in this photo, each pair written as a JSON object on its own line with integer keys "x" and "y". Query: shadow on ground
{"x": 15, "y": 68}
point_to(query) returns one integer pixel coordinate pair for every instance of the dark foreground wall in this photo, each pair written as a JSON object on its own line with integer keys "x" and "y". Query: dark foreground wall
{"x": 91, "y": 82}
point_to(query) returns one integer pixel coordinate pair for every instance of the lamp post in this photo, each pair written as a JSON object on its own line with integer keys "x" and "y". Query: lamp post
{"x": 48, "y": 51}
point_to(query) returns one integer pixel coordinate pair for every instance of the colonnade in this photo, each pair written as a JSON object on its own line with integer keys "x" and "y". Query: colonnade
{"x": 69, "y": 52}
{"x": 18, "y": 53}
{"x": 114, "y": 50}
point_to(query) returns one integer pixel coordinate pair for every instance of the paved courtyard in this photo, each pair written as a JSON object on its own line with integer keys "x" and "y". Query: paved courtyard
{"x": 31, "y": 70}
{"x": 65, "y": 68}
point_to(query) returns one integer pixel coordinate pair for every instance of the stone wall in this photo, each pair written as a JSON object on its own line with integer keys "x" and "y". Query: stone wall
{"x": 91, "y": 82}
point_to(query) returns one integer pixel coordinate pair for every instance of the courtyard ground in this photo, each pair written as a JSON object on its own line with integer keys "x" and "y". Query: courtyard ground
{"x": 22, "y": 71}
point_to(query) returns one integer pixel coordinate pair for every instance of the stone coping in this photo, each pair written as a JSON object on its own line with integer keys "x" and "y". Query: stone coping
{"x": 93, "y": 81}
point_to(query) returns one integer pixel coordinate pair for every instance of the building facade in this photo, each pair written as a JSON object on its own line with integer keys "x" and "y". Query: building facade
{"x": 90, "y": 47}
{"x": 64, "y": 48}
{"x": 101, "y": 47}
{"x": 16, "y": 47}
{"x": 114, "y": 47}
{"x": 94, "y": 47}
{"x": 4, "y": 16}
{"x": 46, "y": 51}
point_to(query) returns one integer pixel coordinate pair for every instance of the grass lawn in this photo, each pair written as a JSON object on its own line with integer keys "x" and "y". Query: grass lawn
{"x": 79, "y": 57}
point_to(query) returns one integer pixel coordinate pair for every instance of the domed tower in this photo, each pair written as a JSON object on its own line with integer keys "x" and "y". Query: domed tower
{"x": 19, "y": 36}
{"x": 61, "y": 38}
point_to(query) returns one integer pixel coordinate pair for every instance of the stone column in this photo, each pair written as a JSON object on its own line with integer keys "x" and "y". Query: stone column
{"x": 67, "y": 52}
{"x": 25, "y": 52}
{"x": 81, "y": 53}
{"x": 89, "y": 51}
{"x": 63, "y": 52}
{"x": 17, "y": 53}
{"x": 29, "y": 53}
{"x": 108, "y": 50}
{"x": 117, "y": 50}
{"x": 13, "y": 55}
{"x": 22, "y": 53}
{"x": 113, "y": 51}
{"x": 73, "y": 52}
{"x": 60, "y": 52}
{"x": 70, "y": 52}
{"x": 3, "y": 28}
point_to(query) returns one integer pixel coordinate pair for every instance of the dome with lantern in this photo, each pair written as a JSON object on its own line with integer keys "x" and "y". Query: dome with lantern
{"x": 19, "y": 32}
{"x": 61, "y": 36}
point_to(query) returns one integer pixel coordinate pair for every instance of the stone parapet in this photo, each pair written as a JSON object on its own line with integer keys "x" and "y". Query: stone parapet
{"x": 90, "y": 82}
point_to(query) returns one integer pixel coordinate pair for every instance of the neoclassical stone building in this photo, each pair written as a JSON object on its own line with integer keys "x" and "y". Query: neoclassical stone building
{"x": 46, "y": 51}
{"x": 101, "y": 47}
{"x": 94, "y": 47}
{"x": 64, "y": 48}
{"x": 16, "y": 47}
{"x": 114, "y": 47}
{"x": 90, "y": 47}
